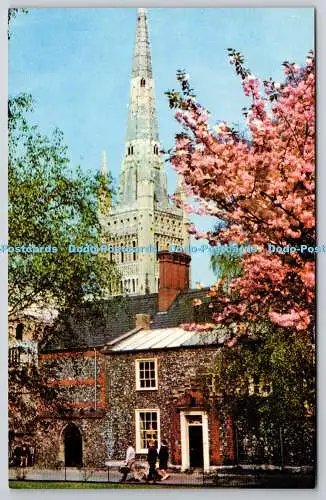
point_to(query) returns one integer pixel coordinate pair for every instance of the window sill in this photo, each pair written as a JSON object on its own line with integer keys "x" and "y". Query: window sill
{"x": 138, "y": 389}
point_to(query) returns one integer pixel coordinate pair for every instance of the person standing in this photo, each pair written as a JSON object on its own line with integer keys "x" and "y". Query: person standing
{"x": 24, "y": 456}
{"x": 32, "y": 454}
{"x": 151, "y": 459}
{"x": 17, "y": 455}
{"x": 163, "y": 457}
{"x": 130, "y": 463}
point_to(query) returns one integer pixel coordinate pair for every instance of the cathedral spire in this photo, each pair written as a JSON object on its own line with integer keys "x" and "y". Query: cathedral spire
{"x": 143, "y": 216}
{"x": 142, "y": 161}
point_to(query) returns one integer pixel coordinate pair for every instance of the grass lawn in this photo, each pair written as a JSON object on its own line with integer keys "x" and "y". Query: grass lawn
{"x": 72, "y": 485}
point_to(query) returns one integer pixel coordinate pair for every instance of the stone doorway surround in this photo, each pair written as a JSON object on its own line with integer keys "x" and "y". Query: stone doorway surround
{"x": 62, "y": 442}
{"x": 186, "y": 416}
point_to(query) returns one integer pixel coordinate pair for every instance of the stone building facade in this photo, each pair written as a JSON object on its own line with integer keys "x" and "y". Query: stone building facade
{"x": 174, "y": 409}
{"x": 75, "y": 434}
{"x": 104, "y": 407}
{"x": 138, "y": 384}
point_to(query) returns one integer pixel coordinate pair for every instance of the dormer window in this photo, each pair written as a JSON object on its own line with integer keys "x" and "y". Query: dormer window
{"x": 142, "y": 82}
{"x": 156, "y": 149}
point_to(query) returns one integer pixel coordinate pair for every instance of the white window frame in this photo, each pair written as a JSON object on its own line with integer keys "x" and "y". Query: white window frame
{"x": 137, "y": 427}
{"x": 137, "y": 367}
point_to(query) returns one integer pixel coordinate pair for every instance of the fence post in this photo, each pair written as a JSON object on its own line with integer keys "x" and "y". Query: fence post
{"x": 65, "y": 473}
{"x": 236, "y": 442}
{"x": 282, "y": 448}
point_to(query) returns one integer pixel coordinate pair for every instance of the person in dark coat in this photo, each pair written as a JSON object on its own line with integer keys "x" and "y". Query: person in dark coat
{"x": 17, "y": 455}
{"x": 151, "y": 459}
{"x": 163, "y": 457}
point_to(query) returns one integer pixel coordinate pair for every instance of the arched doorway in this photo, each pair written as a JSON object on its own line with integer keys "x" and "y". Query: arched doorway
{"x": 73, "y": 444}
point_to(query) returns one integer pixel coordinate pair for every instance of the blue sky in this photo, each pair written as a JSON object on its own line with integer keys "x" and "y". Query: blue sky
{"x": 77, "y": 63}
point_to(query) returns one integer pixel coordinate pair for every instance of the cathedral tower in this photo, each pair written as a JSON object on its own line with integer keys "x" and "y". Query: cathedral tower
{"x": 143, "y": 221}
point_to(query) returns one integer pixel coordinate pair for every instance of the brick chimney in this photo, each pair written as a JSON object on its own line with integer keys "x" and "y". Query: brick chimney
{"x": 143, "y": 321}
{"x": 174, "y": 276}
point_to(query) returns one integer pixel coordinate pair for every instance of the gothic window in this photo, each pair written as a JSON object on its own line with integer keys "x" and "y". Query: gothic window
{"x": 157, "y": 249}
{"x": 130, "y": 150}
{"x": 14, "y": 356}
{"x": 142, "y": 82}
{"x": 134, "y": 250}
{"x": 136, "y": 187}
{"x": 156, "y": 149}
{"x": 133, "y": 285}
{"x": 122, "y": 253}
{"x": 19, "y": 331}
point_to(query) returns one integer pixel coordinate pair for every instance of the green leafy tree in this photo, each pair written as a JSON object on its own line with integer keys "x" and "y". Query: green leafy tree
{"x": 51, "y": 205}
{"x": 267, "y": 384}
{"x": 226, "y": 266}
{"x": 12, "y": 13}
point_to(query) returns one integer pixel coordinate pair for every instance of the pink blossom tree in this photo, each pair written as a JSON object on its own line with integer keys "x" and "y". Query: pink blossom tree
{"x": 261, "y": 186}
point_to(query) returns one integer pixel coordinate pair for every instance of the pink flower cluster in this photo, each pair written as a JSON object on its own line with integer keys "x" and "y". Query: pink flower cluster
{"x": 264, "y": 190}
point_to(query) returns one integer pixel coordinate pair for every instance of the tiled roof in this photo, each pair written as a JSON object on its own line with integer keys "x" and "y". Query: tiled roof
{"x": 183, "y": 311}
{"x": 96, "y": 324}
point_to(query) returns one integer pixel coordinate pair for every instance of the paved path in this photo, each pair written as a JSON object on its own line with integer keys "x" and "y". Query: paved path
{"x": 224, "y": 479}
{"x": 96, "y": 475}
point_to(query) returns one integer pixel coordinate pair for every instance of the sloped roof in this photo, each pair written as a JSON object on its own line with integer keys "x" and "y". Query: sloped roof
{"x": 162, "y": 338}
{"x": 96, "y": 324}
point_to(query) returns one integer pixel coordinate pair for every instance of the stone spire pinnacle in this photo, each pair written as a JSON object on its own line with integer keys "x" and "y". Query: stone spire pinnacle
{"x": 104, "y": 164}
{"x": 142, "y": 63}
{"x": 104, "y": 194}
{"x": 142, "y": 122}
